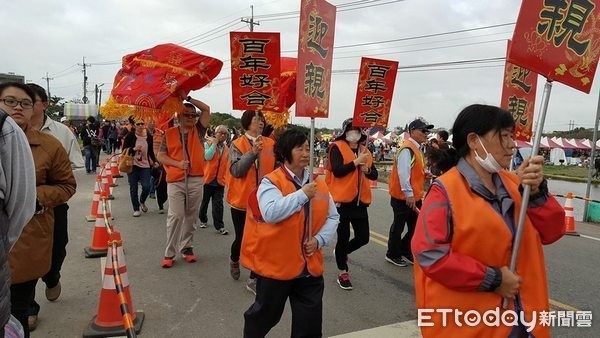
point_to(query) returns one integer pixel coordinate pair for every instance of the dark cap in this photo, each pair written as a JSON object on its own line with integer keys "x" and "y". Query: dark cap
{"x": 419, "y": 124}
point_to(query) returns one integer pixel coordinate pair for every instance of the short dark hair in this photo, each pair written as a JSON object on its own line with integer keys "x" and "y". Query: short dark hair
{"x": 289, "y": 140}
{"x": 443, "y": 135}
{"x": 189, "y": 105}
{"x": 91, "y": 119}
{"x": 247, "y": 117}
{"x": 21, "y": 86}
{"x": 39, "y": 91}
{"x": 478, "y": 119}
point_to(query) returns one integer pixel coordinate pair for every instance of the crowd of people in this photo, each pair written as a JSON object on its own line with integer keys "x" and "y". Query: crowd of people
{"x": 282, "y": 215}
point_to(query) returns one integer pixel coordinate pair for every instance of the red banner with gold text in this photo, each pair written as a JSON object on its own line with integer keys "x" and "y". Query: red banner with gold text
{"x": 315, "y": 56}
{"x": 559, "y": 40}
{"x": 518, "y": 97}
{"x": 376, "y": 81}
{"x": 255, "y": 74}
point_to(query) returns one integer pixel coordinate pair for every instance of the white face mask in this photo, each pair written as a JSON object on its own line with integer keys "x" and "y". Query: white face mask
{"x": 489, "y": 164}
{"x": 353, "y": 135}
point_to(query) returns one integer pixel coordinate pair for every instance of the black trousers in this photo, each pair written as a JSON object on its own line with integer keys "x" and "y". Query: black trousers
{"x": 399, "y": 245}
{"x": 306, "y": 301}
{"x": 59, "y": 252}
{"x": 216, "y": 193}
{"x": 239, "y": 219}
{"x": 161, "y": 187}
{"x": 344, "y": 246}
{"x": 21, "y": 295}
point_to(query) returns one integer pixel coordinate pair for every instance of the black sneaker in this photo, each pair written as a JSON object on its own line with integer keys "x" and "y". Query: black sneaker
{"x": 396, "y": 261}
{"x": 409, "y": 259}
{"x": 343, "y": 281}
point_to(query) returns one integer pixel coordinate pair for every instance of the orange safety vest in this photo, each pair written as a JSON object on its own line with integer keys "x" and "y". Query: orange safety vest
{"x": 175, "y": 151}
{"x": 484, "y": 235}
{"x": 239, "y": 188}
{"x": 344, "y": 189}
{"x": 417, "y": 173}
{"x": 275, "y": 250}
{"x": 217, "y": 166}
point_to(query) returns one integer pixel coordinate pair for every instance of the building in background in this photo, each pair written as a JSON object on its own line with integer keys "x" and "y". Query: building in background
{"x": 11, "y": 77}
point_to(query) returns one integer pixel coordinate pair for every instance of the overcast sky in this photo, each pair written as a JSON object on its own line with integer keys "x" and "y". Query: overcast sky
{"x": 53, "y": 36}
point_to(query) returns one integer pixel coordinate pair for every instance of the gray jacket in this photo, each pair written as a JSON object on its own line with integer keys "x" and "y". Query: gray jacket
{"x": 17, "y": 200}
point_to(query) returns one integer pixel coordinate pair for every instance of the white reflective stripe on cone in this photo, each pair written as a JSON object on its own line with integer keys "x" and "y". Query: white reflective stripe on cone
{"x": 108, "y": 283}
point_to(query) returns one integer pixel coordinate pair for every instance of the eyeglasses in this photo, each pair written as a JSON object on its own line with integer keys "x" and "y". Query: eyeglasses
{"x": 140, "y": 124}
{"x": 25, "y": 103}
{"x": 190, "y": 116}
{"x": 222, "y": 132}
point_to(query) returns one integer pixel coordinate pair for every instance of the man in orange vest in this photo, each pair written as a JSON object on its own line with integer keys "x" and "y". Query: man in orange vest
{"x": 277, "y": 245}
{"x": 250, "y": 158}
{"x": 216, "y": 156}
{"x": 184, "y": 166}
{"x": 406, "y": 188}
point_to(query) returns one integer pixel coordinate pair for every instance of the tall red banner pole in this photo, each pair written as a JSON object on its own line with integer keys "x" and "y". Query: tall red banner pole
{"x": 527, "y": 188}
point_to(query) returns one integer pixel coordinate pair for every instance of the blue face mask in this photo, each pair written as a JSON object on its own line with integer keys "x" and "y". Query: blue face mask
{"x": 489, "y": 163}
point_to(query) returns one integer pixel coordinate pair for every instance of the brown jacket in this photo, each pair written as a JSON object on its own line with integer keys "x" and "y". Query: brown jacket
{"x": 31, "y": 256}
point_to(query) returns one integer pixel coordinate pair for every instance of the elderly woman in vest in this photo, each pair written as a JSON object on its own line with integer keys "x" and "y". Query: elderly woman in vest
{"x": 277, "y": 222}
{"x": 140, "y": 145}
{"x": 250, "y": 158}
{"x": 350, "y": 168}
{"x": 465, "y": 232}
{"x": 30, "y": 258}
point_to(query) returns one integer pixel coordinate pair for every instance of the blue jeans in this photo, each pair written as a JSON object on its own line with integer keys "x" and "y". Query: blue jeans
{"x": 91, "y": 158}
{"x": 138, "y": 175}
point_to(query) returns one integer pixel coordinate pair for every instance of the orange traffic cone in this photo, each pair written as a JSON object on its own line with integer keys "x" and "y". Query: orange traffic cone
{"x": 109, "y": 177}
{"x": 105, "y": 183}
{"x": 95, "y": 201}
{"x": 109, "y": 321}
{"x": 114, "y": 167}
{"x": 569, "y": 217}
{"x": 99, "y": 245}
{"x": 373, "y": 183}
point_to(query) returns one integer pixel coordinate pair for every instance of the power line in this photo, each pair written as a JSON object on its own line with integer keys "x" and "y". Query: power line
{"x": 423, "y": 49}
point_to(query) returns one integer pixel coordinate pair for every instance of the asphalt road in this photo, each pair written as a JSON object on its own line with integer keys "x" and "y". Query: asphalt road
{"x": 201, "y": 299}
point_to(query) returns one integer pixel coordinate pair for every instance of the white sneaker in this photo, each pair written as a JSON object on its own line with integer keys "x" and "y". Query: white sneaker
{"x": 136, "y": 213}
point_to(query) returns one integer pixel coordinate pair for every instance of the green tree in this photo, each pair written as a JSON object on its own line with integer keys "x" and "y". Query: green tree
{"x": 55, "y": 106}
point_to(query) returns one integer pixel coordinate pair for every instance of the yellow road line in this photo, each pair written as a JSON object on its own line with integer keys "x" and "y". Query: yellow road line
{"x": 382, "y": 240}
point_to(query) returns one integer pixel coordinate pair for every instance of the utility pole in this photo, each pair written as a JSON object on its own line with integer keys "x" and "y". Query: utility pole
{"x": 85, "y": 78}
{"x": 47, "y": 78}
{"x": 251, "y": 21}
{"x": 96, "y": 100}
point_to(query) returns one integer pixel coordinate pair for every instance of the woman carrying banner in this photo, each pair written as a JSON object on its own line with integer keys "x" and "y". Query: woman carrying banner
{"x": 464, "y": 234}
{"x": 350, "y": 167}
{"x": 287, "y": 260}
{"x": 250, "y": 158}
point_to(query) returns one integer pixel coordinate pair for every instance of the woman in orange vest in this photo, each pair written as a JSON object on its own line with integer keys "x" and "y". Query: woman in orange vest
{"x": 350, "y": 167}
{"x": 465, "y": 230}
{"x": 287, "y": 260}
{"x": 250, "y": 158}
{"x": 216, "y": 156}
